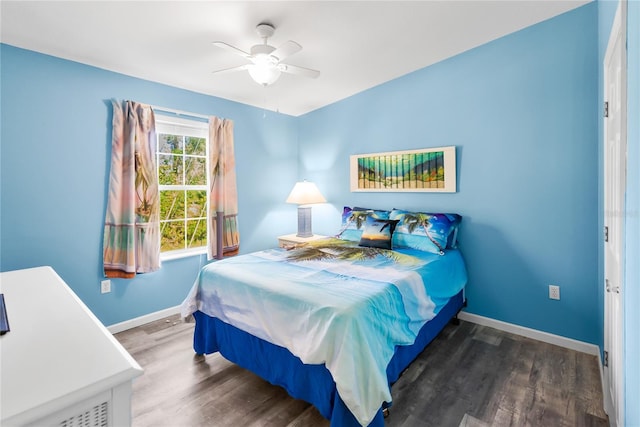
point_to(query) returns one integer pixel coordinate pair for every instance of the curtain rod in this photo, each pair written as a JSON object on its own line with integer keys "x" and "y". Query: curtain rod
{"x": 179, "y": 112}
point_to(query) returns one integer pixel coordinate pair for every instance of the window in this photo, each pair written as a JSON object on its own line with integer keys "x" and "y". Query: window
{"x": 182, "y": 177}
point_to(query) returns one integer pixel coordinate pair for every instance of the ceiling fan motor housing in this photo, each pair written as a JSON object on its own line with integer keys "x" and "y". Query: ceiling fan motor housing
{"x": 262, "y": 49}
{"x": 265, "y": 30}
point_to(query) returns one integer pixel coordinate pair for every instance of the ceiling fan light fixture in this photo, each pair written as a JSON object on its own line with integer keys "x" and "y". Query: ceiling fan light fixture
{"x": 264, "y": 70}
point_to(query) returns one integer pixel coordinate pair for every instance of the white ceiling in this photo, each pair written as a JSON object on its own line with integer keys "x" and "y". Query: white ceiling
{"x": 355, "y": 44}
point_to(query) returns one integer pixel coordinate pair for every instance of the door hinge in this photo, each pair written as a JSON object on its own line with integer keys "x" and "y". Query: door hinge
{"x": 606, "y": 358}
{"x": 606, "y": 233}
{"x": 606, "y": 109}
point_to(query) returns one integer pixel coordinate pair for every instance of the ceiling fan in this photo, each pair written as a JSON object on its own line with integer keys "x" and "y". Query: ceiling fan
{"x": 266, "y": 61}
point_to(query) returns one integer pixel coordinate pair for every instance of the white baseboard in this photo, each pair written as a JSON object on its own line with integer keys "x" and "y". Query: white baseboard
{"x": 147, "y": 318}
{"x": 532, "y": 333}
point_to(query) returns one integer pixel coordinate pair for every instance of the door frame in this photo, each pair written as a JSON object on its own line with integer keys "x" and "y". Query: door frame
{"x": 616, "y": 412}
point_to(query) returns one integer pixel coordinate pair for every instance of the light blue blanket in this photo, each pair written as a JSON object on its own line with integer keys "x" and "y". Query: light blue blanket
{"x": 335, "y": 303}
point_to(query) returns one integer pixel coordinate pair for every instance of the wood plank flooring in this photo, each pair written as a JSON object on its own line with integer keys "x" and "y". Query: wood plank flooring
{"x": 470, "y": 376}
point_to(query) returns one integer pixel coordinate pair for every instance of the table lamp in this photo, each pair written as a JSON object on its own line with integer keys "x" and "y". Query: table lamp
{"x": 303, "y": 194}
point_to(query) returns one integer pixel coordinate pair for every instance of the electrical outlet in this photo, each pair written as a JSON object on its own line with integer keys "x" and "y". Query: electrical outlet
{"x": 105, "y": 286}
{"x": 554, "y": 292}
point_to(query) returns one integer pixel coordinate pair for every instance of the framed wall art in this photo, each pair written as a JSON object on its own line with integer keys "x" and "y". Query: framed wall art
{"x": 424, "y": 170}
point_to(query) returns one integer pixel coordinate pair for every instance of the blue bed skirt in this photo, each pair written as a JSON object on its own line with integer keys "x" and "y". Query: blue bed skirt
{"x": 311, "y": 383}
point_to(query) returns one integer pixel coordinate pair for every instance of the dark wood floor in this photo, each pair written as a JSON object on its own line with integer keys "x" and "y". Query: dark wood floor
{"x": 471, "y": 376}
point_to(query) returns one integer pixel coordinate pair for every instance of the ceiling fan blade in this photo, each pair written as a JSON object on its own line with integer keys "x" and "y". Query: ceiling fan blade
{"x": 285, "y": 50}
{"x": 228, "y": 70}
{"x": 233, "y": 49}
{"x": 301, "y": 71}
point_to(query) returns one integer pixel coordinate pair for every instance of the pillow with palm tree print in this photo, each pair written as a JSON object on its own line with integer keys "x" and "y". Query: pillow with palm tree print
{"x": 430, "y": 232}
{"x": 353, "y": 221}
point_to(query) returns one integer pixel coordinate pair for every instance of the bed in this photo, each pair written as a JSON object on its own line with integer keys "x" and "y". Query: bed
{"x": 332, "y": 322}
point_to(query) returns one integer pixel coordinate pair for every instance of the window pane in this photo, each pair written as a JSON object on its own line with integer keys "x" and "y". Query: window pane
{"x": 170, "y": 169}
{"x": 193, "y": 145}
{"x": 170, "y": 144}
{"x": 196, "y": 168}
{"x": 196, "y": 233}
{"x": 182, "y": 175}
{"x": 196, "y": 204}
{"x": 172, "y": 235}
{"x": 171, "y": 205}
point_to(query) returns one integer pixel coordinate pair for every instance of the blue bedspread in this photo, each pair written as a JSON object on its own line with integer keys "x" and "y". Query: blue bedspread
{"x": 334, "y": 303}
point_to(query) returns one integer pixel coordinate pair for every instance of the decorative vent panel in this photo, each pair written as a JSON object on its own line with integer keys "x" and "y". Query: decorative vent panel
{"x": 98, "y": 416}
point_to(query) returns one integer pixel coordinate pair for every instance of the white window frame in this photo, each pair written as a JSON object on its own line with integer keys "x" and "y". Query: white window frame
{"x": 186, "y": 127}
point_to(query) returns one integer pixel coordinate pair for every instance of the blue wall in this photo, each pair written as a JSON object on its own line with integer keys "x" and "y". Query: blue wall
{"x": 56, "y": 130}
{"x": 522, "y": 111}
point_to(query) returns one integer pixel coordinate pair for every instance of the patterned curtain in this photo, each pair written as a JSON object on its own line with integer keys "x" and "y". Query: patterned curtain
{"x": 132, "y": 228}
{"x": 224, "y": 238}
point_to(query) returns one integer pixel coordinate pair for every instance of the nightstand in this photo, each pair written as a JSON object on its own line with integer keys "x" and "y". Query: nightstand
{"x": 290, "y": 241}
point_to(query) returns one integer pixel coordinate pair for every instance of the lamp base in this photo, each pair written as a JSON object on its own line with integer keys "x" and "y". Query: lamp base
{"x": 304, "y": 221}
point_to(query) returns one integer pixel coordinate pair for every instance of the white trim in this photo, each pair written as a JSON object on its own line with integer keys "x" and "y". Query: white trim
{"x": 183, "y": 253}
{"x": 532, "y": 333}
{"x": 142, "y": 320}
{"x": 178, "y": 112}
{"x": 179, "y": 126}
{"x": 614, "y": 325}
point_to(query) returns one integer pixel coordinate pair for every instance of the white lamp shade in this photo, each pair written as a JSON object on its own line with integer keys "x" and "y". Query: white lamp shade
{"x": 305, "y": 193}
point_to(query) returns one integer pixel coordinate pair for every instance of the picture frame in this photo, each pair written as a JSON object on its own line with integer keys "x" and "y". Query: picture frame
{"x": 422, "y": 170}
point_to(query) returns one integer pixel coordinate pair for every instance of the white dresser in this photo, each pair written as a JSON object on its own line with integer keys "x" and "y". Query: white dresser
{"x": 59, "y": 366}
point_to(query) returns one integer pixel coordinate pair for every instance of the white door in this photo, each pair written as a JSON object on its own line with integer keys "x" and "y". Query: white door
{"x": 615, "y": 164}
